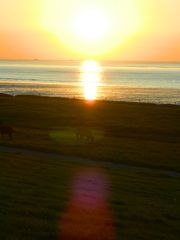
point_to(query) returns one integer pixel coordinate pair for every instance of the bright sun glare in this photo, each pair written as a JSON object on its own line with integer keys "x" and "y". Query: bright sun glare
{"x": 91, "y": 25}
{"x": 91, "y": 28}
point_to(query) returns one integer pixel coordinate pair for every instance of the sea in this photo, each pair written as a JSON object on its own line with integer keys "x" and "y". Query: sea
{"x": 157, "y": 83}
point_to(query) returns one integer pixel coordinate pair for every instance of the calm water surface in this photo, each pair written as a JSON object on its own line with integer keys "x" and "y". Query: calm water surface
{"x": 157, "y": 83}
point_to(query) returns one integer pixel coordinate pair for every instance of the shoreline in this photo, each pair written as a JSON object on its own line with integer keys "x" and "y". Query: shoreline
{"x": 89, "y": 101}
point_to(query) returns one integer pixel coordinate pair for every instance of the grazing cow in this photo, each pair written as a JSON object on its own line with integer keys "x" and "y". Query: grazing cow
{"x": 83, "y": 134}
{"x": 6, "y": 131}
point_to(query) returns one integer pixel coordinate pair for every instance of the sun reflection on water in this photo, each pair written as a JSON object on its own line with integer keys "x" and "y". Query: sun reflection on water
{"x": 90, "y": 77}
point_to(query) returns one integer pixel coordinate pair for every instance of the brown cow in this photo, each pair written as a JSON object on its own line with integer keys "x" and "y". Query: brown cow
{"x": 6, "y": 131}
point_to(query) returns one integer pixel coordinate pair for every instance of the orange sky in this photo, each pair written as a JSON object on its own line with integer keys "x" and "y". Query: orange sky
{"x": 141, "y": 30}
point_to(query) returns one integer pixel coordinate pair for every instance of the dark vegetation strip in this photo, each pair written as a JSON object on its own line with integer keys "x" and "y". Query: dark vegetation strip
{"x": 129, "y": 133}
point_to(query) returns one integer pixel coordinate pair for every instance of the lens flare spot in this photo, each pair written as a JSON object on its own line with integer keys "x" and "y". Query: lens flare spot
{"x": 88, "y": 214}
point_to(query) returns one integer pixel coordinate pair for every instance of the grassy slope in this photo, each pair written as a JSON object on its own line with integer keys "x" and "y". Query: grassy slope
{"x": 139, "y": 134}
{"x": 34, "y": 192}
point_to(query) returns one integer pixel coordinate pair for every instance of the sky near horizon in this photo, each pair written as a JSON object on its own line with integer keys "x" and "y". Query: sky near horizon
{"x": 126, "y": 30}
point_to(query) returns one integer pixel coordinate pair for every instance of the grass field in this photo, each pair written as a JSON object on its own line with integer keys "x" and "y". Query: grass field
{"x": 131, "y": 133}
{"x": 34, "y": 190}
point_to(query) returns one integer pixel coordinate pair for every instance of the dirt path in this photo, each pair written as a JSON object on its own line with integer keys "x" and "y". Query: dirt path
{"x": 106, "y": 164}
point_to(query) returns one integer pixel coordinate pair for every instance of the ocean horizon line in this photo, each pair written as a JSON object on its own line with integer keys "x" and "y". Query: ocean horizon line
{"x": 91, "y": 58}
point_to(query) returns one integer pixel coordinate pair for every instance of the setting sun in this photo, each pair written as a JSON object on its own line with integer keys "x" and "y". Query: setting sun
{"x": 91, "y": 29}
{"x": 91, "y": 25}
{"x": 123, "y": 30}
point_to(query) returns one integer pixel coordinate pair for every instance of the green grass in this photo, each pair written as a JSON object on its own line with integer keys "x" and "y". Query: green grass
{"x": 34, "y": 190}
{"x": 131, "y": 133}
{"x": 34, "y": 193}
